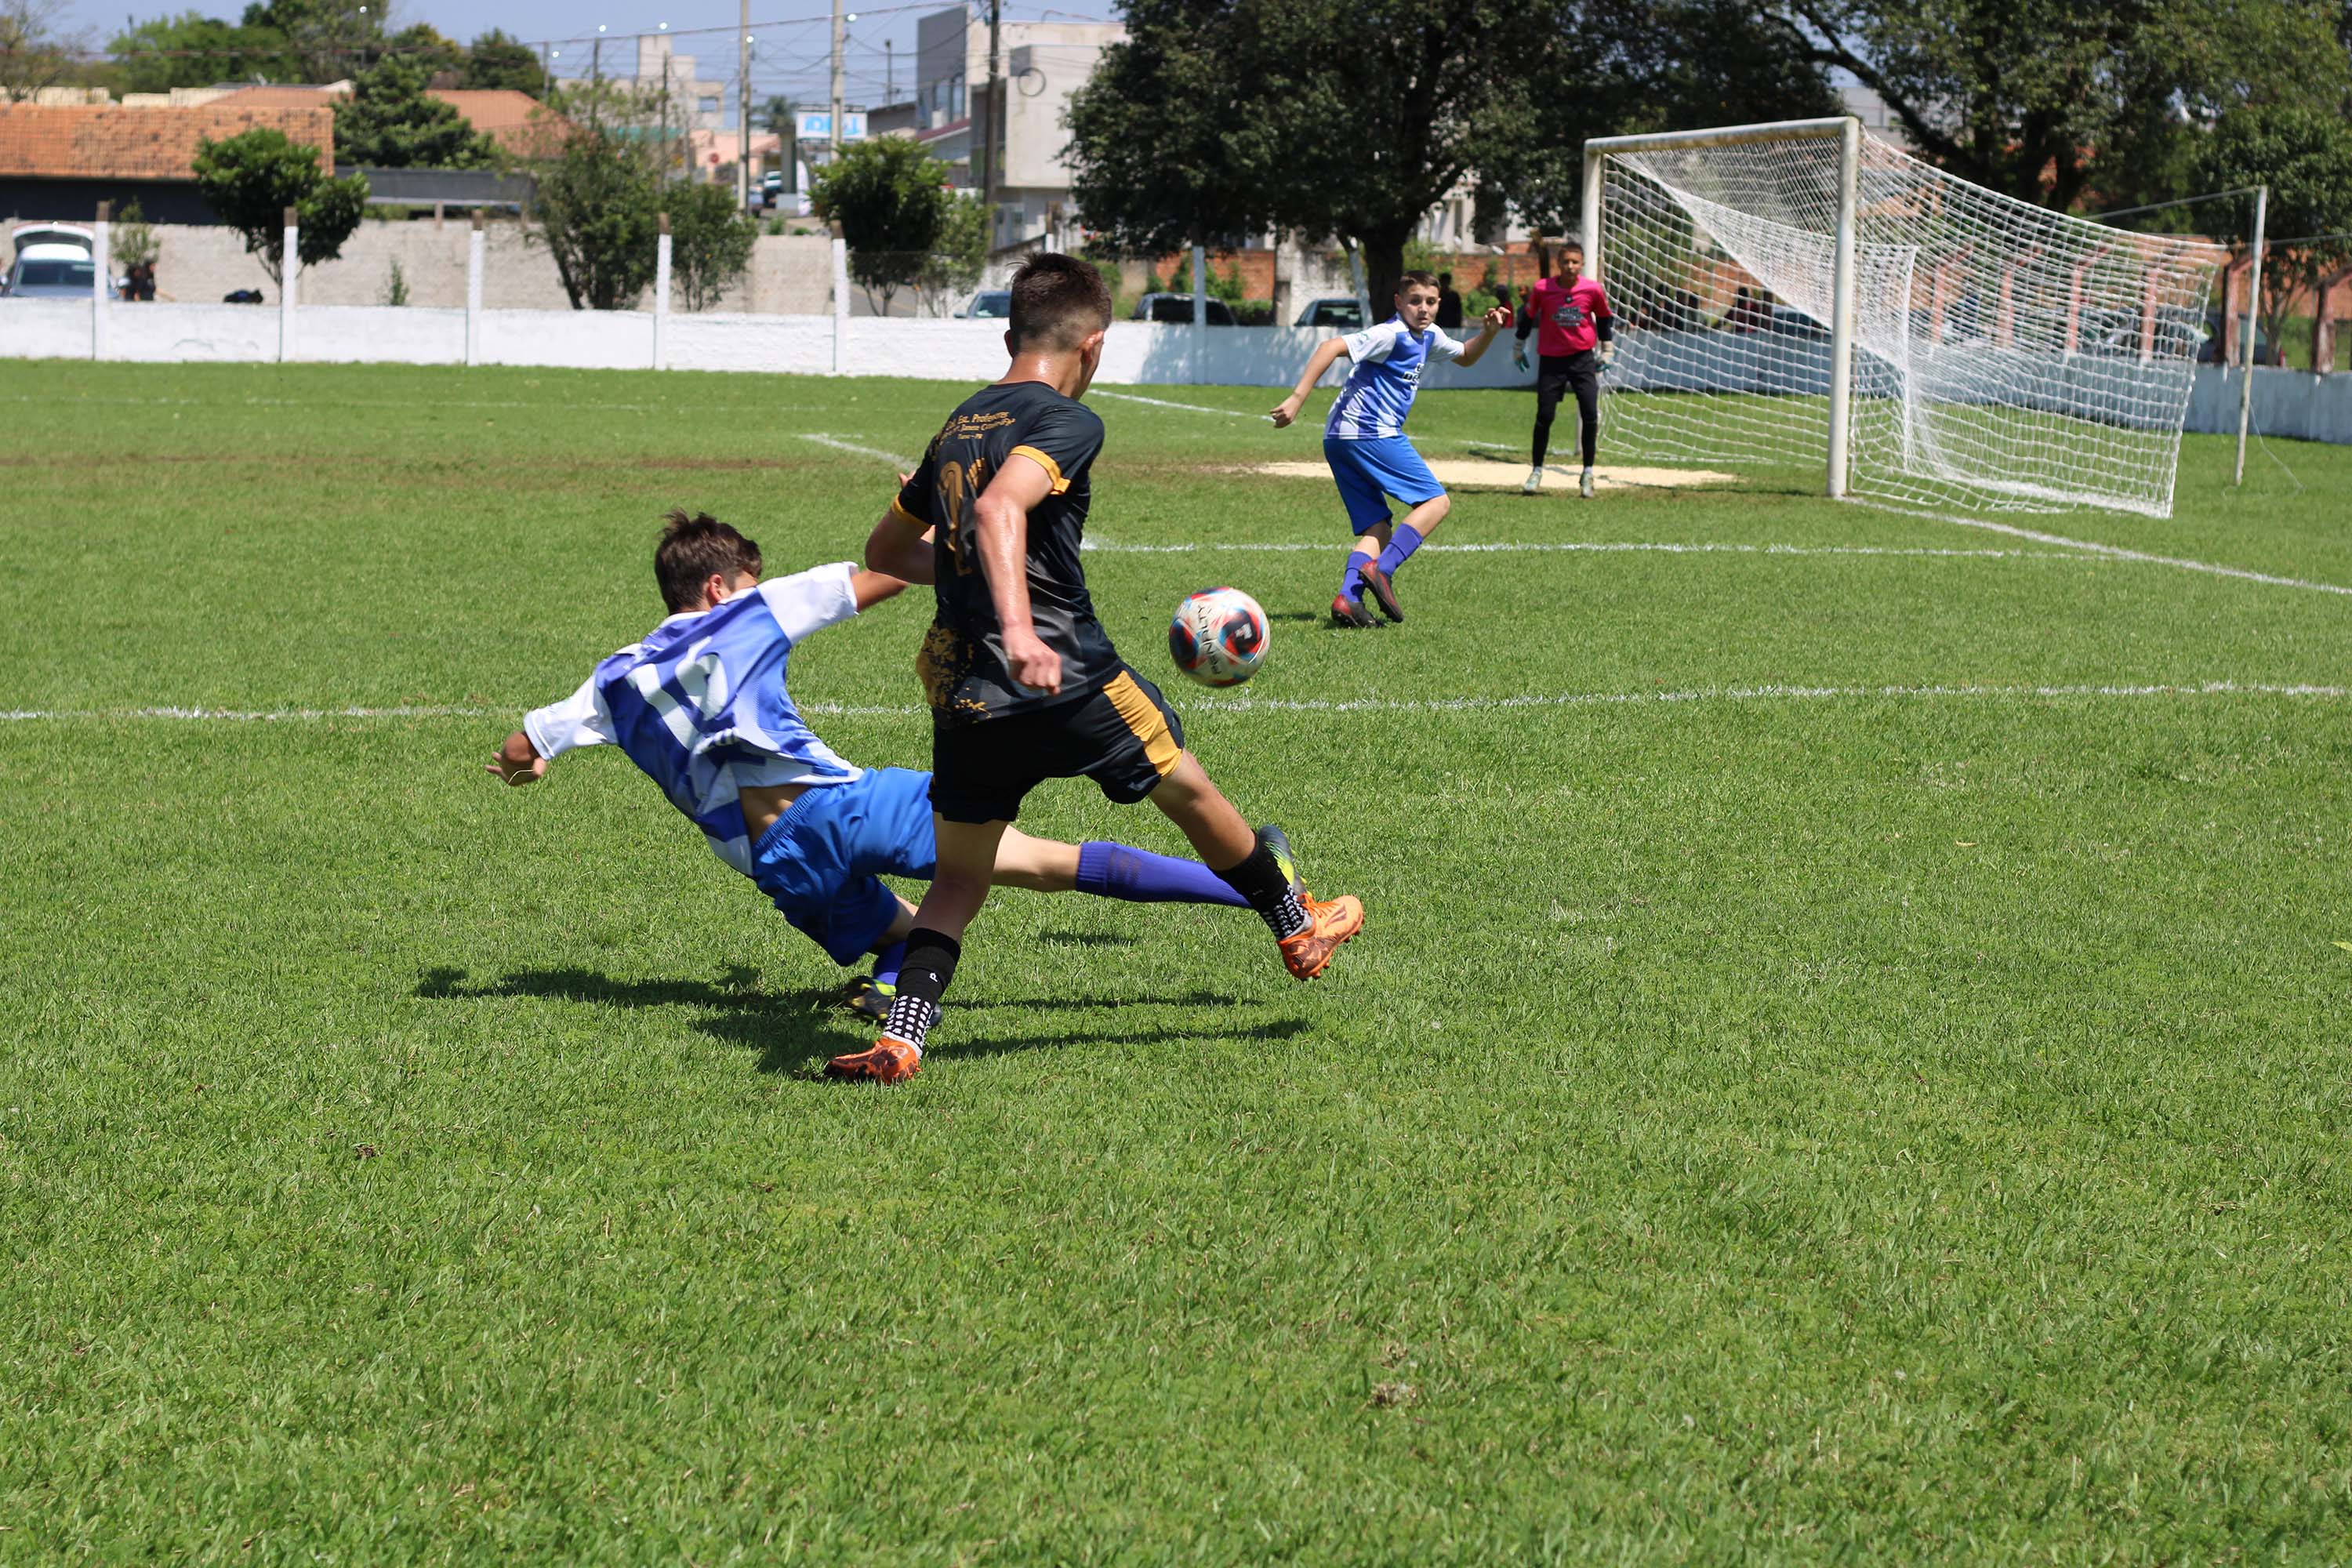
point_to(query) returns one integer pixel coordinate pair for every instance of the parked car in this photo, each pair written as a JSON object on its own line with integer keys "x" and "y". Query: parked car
{"x": 1341, "y": 312}
{"x": 988, "y": 305}
{"x": 1178, "y": 308}
{"x": 1788, "y": 322}
{"x": 54, "y": 260}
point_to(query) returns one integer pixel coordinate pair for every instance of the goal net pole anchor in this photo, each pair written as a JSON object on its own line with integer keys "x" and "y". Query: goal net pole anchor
{"x": 1847, "y": 131}
{"x": 2246, "y": 353}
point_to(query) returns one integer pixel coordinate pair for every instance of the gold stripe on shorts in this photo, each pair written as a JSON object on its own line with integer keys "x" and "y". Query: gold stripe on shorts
{"x": 1159, "y": 747}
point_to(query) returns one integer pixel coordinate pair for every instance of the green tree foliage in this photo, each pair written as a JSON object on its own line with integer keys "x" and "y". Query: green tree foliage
{"x": 598, "y": 207}
{"x": 326, "y": 40}
{"x": 1325, "y": 117}
{"x": 710, "y": 242}
{"x": 33, "y": 53}
{"x": 428, "y": 46}
{"x": 891, "y": 200}
{"x": 251, "y": 179}
{"x": 957, "y": 257}
{"x": 389, "y": 122}
{"x": 133, "y": 239}
{"x": 2047, "y": 99}
{"x": 2304, "y": 154}
{"x": 196, "y": 50}
{"x": 495, "y": 60}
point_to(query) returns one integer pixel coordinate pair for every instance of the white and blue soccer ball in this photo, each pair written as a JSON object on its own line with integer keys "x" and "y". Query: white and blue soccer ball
{"x": 1219, "y": 636}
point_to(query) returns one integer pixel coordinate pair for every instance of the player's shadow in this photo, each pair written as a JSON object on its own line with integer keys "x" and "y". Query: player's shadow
{"x": 796, "y": 1031}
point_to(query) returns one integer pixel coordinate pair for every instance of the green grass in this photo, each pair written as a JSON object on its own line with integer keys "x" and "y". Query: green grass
{"x": 1879, "y": 1126}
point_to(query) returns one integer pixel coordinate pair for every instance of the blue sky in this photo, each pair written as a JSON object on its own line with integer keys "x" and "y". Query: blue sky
{"x": 790, "y": 57}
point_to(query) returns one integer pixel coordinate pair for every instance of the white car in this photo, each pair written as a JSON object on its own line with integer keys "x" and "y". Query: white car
{"x": 54, "y": 260}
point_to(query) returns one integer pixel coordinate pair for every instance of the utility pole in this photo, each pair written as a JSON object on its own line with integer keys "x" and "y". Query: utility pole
{"x": 743, "y": 110}
{"x": 989, "y": 172}
{"x": 833, "y": 141}
{"x": 889, "y": 71}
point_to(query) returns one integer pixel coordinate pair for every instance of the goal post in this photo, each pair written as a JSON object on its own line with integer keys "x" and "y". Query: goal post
{"x": 1803, "y": 294}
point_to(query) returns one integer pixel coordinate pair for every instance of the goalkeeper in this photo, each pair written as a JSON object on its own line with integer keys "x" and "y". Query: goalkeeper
{"x": 1574, "y": 331}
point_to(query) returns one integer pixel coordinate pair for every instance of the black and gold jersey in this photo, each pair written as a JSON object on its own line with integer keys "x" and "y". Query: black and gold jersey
{"x": 963, "y": 661}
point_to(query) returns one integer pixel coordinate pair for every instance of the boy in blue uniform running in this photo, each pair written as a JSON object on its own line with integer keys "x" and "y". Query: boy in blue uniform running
{"x": 700, "y": 704}
{"x": 1364, "y": 441}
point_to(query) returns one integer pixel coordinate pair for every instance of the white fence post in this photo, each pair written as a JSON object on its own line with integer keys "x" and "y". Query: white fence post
{"x": 840, "y": 302}
{"x": 289, "y": 272}
{"x": 1200, "y": 313}
{"x": 661, "y": 291}
{"x": 474, "y": 292}
{"x": 102, "y": 278}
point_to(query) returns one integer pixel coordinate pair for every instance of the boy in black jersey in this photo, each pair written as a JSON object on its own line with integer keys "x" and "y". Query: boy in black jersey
{"x": 1023, "y": 681}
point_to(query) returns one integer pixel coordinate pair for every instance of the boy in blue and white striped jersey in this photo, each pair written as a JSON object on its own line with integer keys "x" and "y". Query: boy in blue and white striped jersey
{"x": 1364, "y": 441}
{"x": 700, "y": 704}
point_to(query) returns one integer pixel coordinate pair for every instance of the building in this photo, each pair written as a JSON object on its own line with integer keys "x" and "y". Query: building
{"x": 62, "y": 162}
{"x": 662, "y": 73}
{"x": 1041, "y": 64}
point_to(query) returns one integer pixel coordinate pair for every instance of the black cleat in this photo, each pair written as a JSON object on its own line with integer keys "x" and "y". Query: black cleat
{"x": 1376, "y": 582}
{"x": 862, "y": 997}
{"x": 1346, "y": 612}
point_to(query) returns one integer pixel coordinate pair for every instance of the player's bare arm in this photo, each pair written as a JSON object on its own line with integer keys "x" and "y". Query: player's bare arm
{"x": 869, "y": 587}
{"x": 1326, "y": 354}
{"x": 1494, "y": 322}
{"x": 899, "y": 547}
{"x": 1002, "y": 514}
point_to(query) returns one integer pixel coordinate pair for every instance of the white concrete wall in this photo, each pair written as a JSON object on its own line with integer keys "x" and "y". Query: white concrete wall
{"x": 2287, "y": 403}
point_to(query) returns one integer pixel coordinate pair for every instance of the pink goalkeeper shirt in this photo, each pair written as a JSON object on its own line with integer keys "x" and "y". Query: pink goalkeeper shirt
{"x": 1564, "y": 314}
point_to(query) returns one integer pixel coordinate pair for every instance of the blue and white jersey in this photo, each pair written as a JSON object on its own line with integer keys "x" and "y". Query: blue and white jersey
{"x": 701, "y": 704}
{"x": 1379, "y": 391}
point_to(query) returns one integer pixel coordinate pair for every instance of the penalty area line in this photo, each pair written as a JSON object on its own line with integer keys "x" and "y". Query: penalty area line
{"x": 1164, "y": 403}
{"x": 1109, "y": 547}
{"x": 838, "y": 444}
{"x": 1210, "y": 702}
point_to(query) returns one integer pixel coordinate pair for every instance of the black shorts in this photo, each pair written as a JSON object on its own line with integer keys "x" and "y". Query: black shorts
{"x": 1578, "y": 372}
{"x": 1122, "y": 734}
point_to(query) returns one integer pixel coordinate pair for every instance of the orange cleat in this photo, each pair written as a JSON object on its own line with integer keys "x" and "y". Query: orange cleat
{"x": 1308, "y": 953}
{"x": 889, "y": 1061}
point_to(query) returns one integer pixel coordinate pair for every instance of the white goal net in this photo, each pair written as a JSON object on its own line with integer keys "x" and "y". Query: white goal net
{"x": 2003, "y": 357}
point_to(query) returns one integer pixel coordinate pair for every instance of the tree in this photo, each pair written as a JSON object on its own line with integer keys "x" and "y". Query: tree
{"x": 710, "y": 242}
{"x": 958, "y": 256}
{"x": 194, "y": 50}
{"x": 33, "y": 54}
{"x": 133, "y": 239}
{"x": 2044, "y": 99}
{"x": 890, "y": 198}
{"x": 427, "y": 46}
{"x": 598, "y": 207}
{"x": 251, "y": 179}
{"x": 2305, "y": 155}
{"x": 389, "y": 122}
{"x": 495, "y": 60}
{"x": 326, "y": 40}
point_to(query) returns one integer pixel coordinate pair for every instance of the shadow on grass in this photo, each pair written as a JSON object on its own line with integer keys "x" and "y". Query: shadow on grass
{"x": 795, "y": 1031}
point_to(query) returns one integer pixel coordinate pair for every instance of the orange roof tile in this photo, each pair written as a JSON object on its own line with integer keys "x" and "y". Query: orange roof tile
{"x": 113, "y": 143}
{"x": 507, "y": 116}
{"x": 293, "y": 97}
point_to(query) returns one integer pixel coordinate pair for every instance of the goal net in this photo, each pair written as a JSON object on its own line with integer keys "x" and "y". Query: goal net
{"x": 1995, "y": 356}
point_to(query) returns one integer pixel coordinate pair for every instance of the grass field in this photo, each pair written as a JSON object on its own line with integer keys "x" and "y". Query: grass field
{"x": 1847, "y": 1059}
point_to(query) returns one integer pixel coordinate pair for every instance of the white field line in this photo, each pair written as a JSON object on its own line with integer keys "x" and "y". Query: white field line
{"x": 1164, "y": 403}
{"x": 427, "y": 403}
{"x": 838, "y": 444}
{"x": 2118, "y": 553}
{"x": 1109, "y": 547}
{"x": 1204, "y": 702}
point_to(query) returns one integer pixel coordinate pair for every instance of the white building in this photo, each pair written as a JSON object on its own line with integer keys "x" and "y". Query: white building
{"x": 694, "y": 103}
{"x": 1041, "y": 64}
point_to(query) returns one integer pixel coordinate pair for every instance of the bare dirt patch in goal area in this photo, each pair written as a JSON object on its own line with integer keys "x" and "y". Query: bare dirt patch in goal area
{"x": 1472, "y": 474}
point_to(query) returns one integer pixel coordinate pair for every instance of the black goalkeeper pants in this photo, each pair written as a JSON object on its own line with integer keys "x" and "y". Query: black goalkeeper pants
{"x": 1578, "y": 372}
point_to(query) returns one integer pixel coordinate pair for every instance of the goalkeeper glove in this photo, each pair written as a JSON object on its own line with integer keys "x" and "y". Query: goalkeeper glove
{"x": 1519, "y": 353}
{"x": 1608, "y": 354}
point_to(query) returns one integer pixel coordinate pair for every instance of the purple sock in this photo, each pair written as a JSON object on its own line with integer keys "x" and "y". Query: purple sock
{"x": 1402, "y": 545}
{"x": 1138, "y": 876}
{"x": 1351, "y": 581}
{"x": 887, "y": 963}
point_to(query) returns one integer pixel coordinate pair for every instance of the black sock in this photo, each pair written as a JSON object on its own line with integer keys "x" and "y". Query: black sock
{"x": 1264, "y": 881}
{"x": 923, "y": 977}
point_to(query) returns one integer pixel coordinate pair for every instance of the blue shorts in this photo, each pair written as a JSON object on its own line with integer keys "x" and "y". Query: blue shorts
{"x": 819, "y": 859}
{"x": 1368, "y": 471}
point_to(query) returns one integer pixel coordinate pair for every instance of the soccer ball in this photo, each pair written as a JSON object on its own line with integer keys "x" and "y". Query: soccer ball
{"x": 1219, "y": 636}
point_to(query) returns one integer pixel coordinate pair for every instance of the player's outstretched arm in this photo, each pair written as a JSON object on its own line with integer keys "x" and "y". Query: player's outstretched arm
{"x": 1325, "y": 356}
{"x": 1494, "y": 322}
{"x": 1001, "y": 519}
{"x": 870, "y": 588}
{"x": 517, "y": 761}
{"x": 900, "y": 548}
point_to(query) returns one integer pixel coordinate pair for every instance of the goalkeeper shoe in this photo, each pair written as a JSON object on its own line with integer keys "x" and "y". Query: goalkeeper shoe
{"x": 1535, "y": 482}
{"x": 1383, "y": 593}
{"x": 887, "y": 1062}
{"x": 1584, "y": 485}
{"x": 1307, "y": 954}
{"x": 1347, "y": 612}
{"x": 865, "y": 998}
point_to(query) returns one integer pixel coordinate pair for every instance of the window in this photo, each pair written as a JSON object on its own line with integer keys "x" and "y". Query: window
{"x": 709, "y": 105}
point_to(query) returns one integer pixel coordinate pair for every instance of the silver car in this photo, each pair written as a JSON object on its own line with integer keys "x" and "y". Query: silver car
{"x": 53, "y": 261}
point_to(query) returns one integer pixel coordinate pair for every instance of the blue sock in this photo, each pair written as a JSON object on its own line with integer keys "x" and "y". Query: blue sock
{"x": 1402, "y": 545}
{"x": 887, "y": 963}
{"x": 1351, "y": 581}
{"x": 1139, "y": 877}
